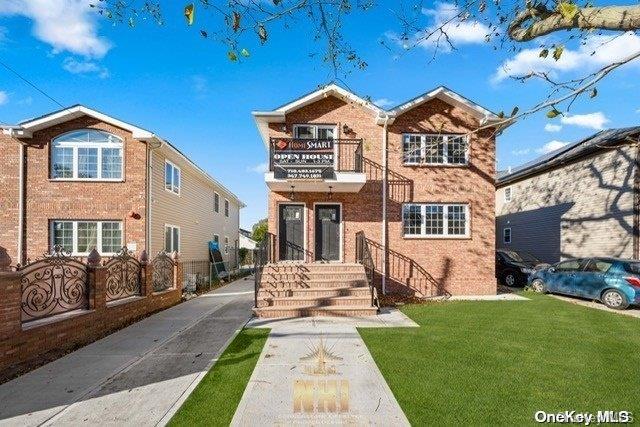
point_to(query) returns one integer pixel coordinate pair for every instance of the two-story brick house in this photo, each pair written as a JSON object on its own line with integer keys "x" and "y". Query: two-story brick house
{"x": 416, "y": 181}
{"x": 82, "y": 179}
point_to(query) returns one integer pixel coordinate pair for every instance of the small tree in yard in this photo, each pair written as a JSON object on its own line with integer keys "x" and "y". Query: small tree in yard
{"x": 510, "y": 26}
{"x": 260, "y": 230}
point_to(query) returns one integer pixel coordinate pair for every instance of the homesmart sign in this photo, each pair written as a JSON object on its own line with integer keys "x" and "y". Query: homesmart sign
{"x": 303, "y": 159}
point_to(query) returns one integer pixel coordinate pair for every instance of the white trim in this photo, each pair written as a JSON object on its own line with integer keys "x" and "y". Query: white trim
{"x": 21, "y": 215}
{"x": 173, "y": 165}
{"x": 445, "y": 221}
{"x": 445, "y": 149}
{"x": 304, "y": 226}
{"x": 504, "y": 235}
{"x": 341, "y": 257}
{"x": 164, "y": 237}
{"x": 74, "y": 234}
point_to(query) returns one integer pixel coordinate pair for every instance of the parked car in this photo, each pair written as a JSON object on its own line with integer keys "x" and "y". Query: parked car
{"x": 513, "y": 267}
{"x": 612, "y": 281}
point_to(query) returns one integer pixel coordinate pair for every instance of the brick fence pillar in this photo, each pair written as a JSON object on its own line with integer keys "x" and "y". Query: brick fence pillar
{"x": 10, "y": 304}
{"x": 177, "y": 271}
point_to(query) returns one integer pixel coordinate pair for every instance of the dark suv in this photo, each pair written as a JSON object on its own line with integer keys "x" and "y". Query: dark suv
{"x": 514, "y": 267}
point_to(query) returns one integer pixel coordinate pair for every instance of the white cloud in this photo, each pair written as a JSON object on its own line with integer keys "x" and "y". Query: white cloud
{"x": 551, "y": 146}
{"x": 66, "y": 25}
{"x": 552, "y": 128}
{"x": 259, "y": 168}
{"x": 384, "y": 102}
{"x": 592, "y": 120}
{"x": 459, "y": 31}
{"x": 84, "y": 67}
{"x": 597, "y": 52}
{"x": 26, "y": 101}
{"x": 199, "y": 84}
{"x": 522, "y": 152}
{"x": 4, "y": 97}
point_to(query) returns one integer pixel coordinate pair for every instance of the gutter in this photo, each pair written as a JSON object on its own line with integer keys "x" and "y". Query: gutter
{"x": 21, "y": 196}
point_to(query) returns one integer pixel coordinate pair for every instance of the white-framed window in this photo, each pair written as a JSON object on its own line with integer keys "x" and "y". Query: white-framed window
{"x": 308, "y": 131}
{"x": 172, "y": 177}
{"x": 506, "y": 235}
{"x": 171, "y": 238}
{"x": 81, "y": 237}
{"x": 226, "y": 208}
{"x": 216, "y": 202}
{"x": 226, "y": 244}
{"x": 435, "y": 220}
{"x": 508, "y": 194}
{"x": 439, "y": 149}
{"x": 87, "y": 154}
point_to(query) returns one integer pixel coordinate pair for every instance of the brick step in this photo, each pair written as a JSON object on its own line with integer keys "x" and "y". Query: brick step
{"x": 305, "y": 311}
{"x": 348, "y": 301}
{"x": 310, "y": 284}
{"x": 358, "y": 291}
{"x": 304, "y": 277}
{"x": 312, "y": 267}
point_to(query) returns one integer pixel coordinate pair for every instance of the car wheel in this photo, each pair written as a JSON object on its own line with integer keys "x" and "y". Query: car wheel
{"x": 538, "y": 286}
{"x": 510, "y": 279}
{"x": 615, "y": 299}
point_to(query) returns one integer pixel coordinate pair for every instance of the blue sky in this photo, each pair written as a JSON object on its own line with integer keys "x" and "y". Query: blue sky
{"x": 171, "y": 81}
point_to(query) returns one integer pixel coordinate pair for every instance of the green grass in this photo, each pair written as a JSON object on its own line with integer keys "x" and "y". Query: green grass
{"x": 215, "y": 399}
{"x": 498, "y": 362}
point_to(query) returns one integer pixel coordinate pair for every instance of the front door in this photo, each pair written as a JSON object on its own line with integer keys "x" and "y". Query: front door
{"x": 291, "y": 231}
{"x": 327, "y": 232}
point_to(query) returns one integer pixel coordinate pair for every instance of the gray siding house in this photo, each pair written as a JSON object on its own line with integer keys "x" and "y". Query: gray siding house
{"x": 581, "y": 200}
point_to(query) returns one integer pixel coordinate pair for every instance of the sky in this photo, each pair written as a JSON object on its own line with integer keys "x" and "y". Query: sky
{"x": 182, "y": 87}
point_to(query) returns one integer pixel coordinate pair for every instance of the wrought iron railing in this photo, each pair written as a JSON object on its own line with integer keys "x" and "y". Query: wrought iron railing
{"x": 347, "y": 153}
{"x": 363, "y": 256}
{"x": 264, "y": 253}
{"x": 162, "y": 275}
{"x": 122, "y": 276}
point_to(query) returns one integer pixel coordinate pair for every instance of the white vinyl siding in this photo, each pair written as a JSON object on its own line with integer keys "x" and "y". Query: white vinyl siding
{"x": 435, "y": 220}
{"x": 81, "y": 237}
{"x": 434, "y": 150}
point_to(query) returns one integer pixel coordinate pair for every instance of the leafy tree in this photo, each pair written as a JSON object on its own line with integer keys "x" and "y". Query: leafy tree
{"x": 260, "y": 230}
{"x": 511, "y": 26}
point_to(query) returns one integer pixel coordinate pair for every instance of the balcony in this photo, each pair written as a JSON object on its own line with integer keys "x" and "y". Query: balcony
{"x": 315, "y": 165}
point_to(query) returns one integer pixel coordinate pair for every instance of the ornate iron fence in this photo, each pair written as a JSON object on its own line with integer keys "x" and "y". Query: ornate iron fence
{"x": 122, "y": 276}
{"x": 162, "y": 276}
{"x": 52, "y": 285}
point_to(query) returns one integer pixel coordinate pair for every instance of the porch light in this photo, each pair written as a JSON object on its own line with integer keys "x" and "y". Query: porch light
{"x": 330, "y": 193}
{"x": 292, "y": 193}
{"x": 346, "y": 129}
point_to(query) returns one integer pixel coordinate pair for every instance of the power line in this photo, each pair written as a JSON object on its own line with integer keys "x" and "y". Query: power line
{"x": 30, "y": 84}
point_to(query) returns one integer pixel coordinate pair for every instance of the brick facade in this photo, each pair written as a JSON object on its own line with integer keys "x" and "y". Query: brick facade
{"x": 460, "y": 266}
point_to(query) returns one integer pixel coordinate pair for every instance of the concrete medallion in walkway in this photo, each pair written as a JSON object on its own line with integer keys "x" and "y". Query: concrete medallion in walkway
{"x": 317, "y": 370}
{"x": 139, "y": 375}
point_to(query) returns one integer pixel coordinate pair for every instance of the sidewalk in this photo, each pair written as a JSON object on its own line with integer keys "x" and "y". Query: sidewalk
{"x": 136, "y": 376}
{"x": 293, "y": 385}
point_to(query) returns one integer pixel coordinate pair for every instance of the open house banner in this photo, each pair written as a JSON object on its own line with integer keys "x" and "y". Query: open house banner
{"x": 303, "y": 159}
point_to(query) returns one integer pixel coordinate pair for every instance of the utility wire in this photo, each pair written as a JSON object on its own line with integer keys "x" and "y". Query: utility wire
{"x": 30, "y": 84}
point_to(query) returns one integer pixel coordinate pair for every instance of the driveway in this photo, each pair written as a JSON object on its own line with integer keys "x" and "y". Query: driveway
{"x": 139, "y": 375}
{"x": 633, "y": 311}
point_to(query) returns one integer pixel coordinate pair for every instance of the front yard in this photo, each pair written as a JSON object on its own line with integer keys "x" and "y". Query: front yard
{"x": 500, "y": 362}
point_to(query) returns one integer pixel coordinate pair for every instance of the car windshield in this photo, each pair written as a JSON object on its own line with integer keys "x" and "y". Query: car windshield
{"x": 521, "y": 257}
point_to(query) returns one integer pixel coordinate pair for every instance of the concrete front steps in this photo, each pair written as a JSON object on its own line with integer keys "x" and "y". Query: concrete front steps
{"x": 314, "y": 289}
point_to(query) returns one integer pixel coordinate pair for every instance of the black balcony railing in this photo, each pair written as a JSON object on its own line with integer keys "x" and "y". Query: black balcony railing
{"x": 347, "y": 152}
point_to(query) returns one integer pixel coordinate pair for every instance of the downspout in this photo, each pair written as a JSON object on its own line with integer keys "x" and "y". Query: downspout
{"x": 150, "y": 149}
{"x": 384, "y": 204}
{"x": 21, "y": 194}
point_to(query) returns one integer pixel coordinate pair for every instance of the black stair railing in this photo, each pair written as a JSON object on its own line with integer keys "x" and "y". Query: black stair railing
{"x": 264, "y": 253}
{"x": 363, "y": 256}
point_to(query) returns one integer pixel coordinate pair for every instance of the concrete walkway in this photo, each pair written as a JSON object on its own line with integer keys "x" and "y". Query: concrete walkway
{"x": 632, "y": 311}
{"x": 139, "y": 375}
{"x": 295, "y": 381}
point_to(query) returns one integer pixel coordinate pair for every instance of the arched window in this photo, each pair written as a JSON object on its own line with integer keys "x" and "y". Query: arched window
{"x": 87, "y": 154}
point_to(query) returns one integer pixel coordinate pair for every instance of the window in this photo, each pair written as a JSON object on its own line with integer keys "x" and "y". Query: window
{"x": 598, "y": 265}
{"x": 571, "y": 265}
{"x": 435, "y": 220}
{"x": 508, "y": 194}
{"x": 81, "y": 237}
{"x": 226, "y": 208}
{"x": 226, "y": 245}
{"x": 420, "y": 149}
{"x": 171, "y": 177}
{"x": 171, "y": 238}
{"x": 216, "y": 202}
{"x": 88, "y": 154}
{"x": 506, "y": 235}
{"x": 314, "y": 131}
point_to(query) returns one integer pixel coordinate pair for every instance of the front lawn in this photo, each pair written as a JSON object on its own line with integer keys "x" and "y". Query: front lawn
{"x": 215, "y": 399}
{"x": 499, "y": 362}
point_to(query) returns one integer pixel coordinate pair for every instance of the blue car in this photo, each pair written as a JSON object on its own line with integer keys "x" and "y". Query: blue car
{"x": 614, "y": 282}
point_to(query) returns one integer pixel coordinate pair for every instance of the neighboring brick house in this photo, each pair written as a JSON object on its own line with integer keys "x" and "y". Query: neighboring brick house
{"x": 89, "y": 180}
{"x": 578, "y": 201}
{"x": 418, "y": 162}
